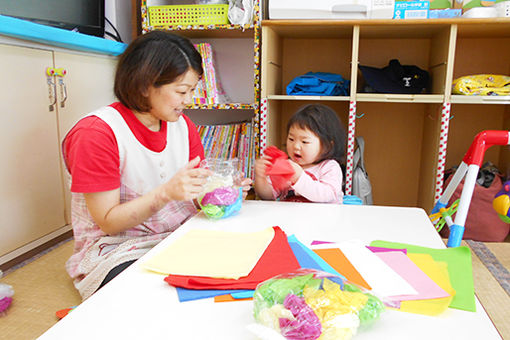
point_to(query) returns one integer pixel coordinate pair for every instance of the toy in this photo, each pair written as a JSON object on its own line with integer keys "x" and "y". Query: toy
{"x": 222, "y": 195}
{"x": 501, "y": 203}
{"x": 444, "y": 216}
{"x": 309, "y": 304}
{"x": 6, "y": 293}
{"x": 468, "y": 168}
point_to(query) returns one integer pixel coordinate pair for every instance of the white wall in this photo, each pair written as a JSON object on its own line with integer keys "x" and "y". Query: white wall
{"x": 119, "y": 13}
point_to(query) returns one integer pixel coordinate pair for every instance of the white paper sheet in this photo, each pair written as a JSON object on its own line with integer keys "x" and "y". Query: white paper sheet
{"x": 384, "y": 281}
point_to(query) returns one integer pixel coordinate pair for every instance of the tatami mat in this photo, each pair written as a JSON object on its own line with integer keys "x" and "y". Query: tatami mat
{"x": 42, "y": 287}
{"x": 492, "y": 296}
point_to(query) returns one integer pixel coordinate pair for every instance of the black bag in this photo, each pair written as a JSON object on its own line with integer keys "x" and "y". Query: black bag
{"x": 395, "y": 78}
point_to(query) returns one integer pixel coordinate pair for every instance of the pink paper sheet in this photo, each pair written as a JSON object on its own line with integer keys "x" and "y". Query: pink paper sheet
{"x": 381, "y": 249}
{"x": 424, "y": 285}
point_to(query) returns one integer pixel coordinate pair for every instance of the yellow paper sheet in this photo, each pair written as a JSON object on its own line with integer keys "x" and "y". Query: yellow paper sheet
{"x": 212, "y": 253}
{"x": 438, "y": 272}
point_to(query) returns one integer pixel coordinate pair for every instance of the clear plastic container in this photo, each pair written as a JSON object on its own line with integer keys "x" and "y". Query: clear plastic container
{"x": 222, "y": 195}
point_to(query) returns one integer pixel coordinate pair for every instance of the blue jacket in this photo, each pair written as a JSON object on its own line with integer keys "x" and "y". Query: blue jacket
{"x": 319, "y": 84}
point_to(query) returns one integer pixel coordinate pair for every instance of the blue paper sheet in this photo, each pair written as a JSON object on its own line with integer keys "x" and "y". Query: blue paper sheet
{"x": 192, "y": 294}
{"x": 309, "y": 259}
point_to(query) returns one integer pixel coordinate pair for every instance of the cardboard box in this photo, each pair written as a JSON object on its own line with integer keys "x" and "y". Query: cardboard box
{"x": 445, "y": 13}
{"x": 411, "y": 10}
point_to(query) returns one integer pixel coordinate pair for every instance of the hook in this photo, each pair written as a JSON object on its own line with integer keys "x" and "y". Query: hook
{"x": 359, "y": 115}
{"x": 432, "y": 118}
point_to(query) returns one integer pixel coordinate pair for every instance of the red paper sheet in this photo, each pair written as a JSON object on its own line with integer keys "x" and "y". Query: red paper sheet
{"x": 275, "y": 153}
{"x": 277, "y": 259}
{"x": 280, "y": 171}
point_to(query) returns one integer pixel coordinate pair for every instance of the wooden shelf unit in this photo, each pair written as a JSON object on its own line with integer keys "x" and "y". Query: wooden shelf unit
{"x": 410, "y": 139}
{"x": 237, "y": 64}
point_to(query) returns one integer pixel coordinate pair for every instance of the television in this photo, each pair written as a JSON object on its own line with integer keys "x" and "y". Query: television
{"x": 84, "y": 16}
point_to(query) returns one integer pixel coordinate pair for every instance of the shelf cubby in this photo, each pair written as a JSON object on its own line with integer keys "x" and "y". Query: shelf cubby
{"x": 410, "y": 138}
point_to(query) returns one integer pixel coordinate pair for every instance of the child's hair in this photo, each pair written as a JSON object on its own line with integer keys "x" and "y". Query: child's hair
{"x": 153, "y": 59}
{"x": 324, "y": 122}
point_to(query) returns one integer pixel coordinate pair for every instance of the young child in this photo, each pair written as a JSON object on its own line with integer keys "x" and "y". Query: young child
{"x": 316, "y": 147}
{"x": 133, "y": 164}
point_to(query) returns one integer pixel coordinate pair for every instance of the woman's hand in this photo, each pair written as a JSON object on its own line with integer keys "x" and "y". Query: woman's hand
{"x": 113, "y": 217}
{"x": 246, "y": 185}
{"x": 187, "y": 183}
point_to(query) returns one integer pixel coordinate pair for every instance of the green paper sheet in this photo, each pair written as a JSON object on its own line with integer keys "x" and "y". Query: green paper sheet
{"x": 460, "y": 270}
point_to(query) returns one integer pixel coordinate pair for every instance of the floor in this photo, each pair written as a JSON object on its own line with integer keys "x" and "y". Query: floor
{"x": 42, "y": 287}
{"x": 489, "y": 291}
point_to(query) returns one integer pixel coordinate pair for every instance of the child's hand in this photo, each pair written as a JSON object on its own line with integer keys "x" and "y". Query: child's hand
{"x": 187, "y": 183}
{"x": 298, "y": 170}
{"x": 261, "y": 165}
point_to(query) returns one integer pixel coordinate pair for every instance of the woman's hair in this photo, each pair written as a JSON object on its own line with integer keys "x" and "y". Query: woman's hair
{"x": 324, "y": 122}
{"x": 153, "y": 59}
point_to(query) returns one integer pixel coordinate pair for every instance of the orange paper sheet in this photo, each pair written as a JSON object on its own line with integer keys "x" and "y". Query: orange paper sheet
{"x": 336, "y": 259}
{"x": 228, "y": 298}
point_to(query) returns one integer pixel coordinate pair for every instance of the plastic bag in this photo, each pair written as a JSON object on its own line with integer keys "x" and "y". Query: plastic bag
{"x": 482, "y": 85}
{"x": 6, "y": 293}
{"x": 240, "y": 12}
{"x": 361, "y": 186}
{"x": 222, "y": 195}
{"x": 308, "y": 304}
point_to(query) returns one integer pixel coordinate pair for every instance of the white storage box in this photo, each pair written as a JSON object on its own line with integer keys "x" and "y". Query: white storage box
{"x": 331, "y": 9}
{"x": 503, "y": 8}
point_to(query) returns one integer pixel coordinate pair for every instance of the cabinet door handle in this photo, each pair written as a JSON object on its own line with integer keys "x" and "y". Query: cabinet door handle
{"x": 63, "y": 92}
{"x": 52, "y": 93}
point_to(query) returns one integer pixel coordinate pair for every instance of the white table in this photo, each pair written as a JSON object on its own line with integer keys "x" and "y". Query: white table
{"x": 139, "y": 305}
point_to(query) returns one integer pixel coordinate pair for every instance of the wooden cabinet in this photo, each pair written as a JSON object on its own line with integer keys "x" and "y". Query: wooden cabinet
{"x": 31, "y": 199}
{"x": 34, "y": 199}
{"x": 89, "y": 84}
{"x": 410, "y": 139}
